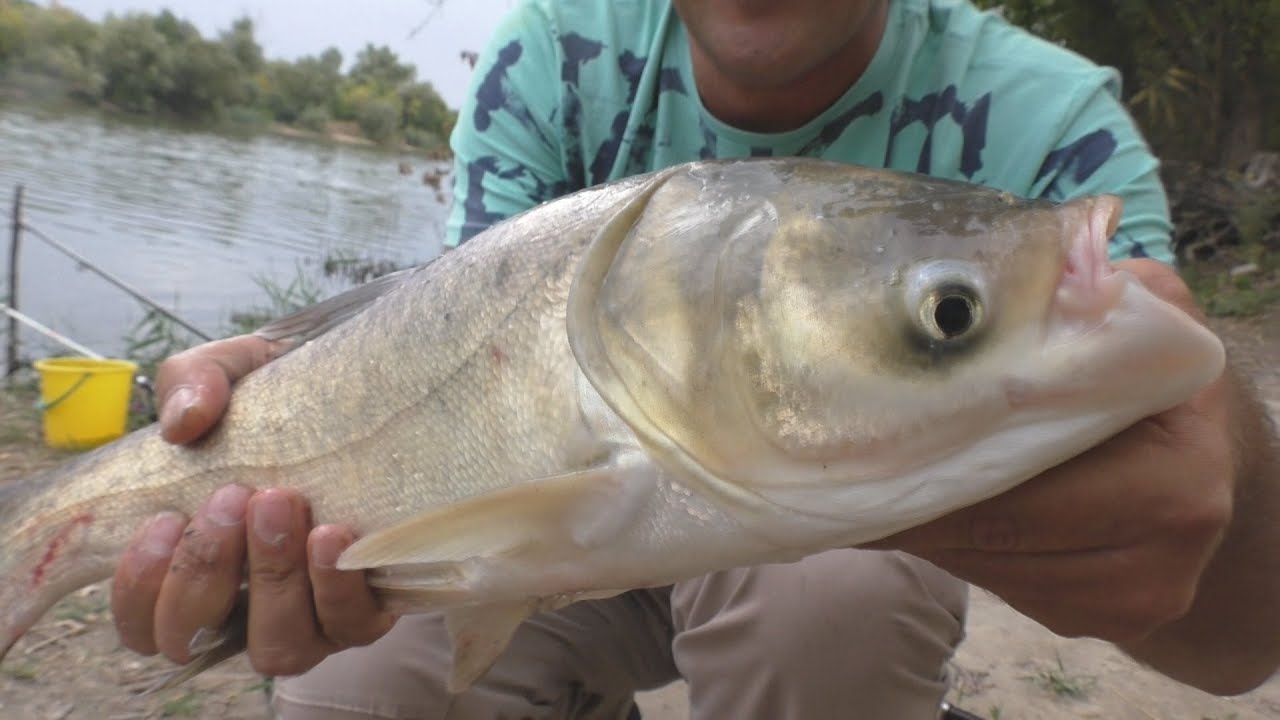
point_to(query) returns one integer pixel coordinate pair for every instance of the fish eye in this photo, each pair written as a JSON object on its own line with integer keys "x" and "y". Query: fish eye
{"x": 950, "y": 313}
{"x": 946, "y": 299}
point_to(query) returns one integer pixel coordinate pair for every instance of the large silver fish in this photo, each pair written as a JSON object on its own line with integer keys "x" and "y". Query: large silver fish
{"x": 715, "y": 365}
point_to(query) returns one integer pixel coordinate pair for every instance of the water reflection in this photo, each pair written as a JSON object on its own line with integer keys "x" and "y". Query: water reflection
{"x": 193, "y": 219}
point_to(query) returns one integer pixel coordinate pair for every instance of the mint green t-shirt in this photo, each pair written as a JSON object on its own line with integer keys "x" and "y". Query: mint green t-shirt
{"x": 572, "y": 93}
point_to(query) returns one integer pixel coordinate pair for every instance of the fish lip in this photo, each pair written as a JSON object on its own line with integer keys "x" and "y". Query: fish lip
{"x": 1089, "y": 287}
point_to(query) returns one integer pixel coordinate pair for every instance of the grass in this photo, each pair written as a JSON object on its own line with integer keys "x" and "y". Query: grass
{"x": 1061, "y": 683}
{"x": 21, "y": 670}
{"x": 1244, "y": 295}
{"x": 82, "y": 607}
{"x": 185, "y": 705}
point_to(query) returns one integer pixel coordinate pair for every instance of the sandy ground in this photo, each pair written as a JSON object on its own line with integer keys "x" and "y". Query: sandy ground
{"x": 70, "y": 666}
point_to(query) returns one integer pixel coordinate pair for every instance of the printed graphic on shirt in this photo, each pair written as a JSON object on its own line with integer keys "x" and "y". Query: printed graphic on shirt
{"x": 598, "y": 100}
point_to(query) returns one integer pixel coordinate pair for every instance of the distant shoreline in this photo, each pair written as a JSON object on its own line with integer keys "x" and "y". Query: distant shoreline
{"x": 336, "y": 132}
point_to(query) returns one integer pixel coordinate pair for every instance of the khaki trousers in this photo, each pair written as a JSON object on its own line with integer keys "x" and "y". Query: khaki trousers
{"x": 845, "y": 634}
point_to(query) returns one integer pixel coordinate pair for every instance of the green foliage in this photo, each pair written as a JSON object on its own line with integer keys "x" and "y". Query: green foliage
{"x": 302, "y": 291}
{"x": 378, "y": 66}
{"x": 1195, "y": 71}
{"x": 239, "y": 39}
{"x": 314, "y": 118}
{"x": 379, "y": 118}
{"x": 159, "y": 64}
{"x": 136, "y": 62}
{"x": 424, "y": 110}
{"x": 310, "y": 82}
{"x": 153, "y": 339}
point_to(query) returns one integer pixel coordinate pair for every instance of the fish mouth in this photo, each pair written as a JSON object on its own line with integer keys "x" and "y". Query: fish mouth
{"x": 1089, "y": 286}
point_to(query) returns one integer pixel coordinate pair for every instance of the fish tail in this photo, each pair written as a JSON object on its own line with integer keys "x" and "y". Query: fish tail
{"x": 51, "y": 547}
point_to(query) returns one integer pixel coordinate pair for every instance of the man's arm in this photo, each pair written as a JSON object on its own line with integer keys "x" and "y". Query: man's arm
{"x": 1228, "y": 641}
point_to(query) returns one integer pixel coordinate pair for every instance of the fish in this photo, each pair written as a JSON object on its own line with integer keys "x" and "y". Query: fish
{"x": 715, "y": 365}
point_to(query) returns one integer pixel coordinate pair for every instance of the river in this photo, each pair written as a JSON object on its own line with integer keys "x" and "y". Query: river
{"x": 199, "y": 222}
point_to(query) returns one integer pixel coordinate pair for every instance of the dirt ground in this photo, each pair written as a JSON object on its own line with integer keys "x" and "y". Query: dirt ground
{"x": 70, "y": 667}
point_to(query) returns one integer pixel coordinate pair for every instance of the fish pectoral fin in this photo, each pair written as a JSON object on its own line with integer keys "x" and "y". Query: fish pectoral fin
{"x": 478, "y": 635}
{"x": 554, "y": 515}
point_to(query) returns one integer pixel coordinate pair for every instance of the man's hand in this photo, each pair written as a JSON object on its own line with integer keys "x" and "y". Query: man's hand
{"x": 179, "y": 578}
{"x": 1118, "y": 542}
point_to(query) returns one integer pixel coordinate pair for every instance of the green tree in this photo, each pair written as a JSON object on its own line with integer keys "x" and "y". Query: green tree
{"x": 14, "y": 18}
{"x": 206, "y": 79}
{"x": 380, "y": 67}
{"x": 1195, "y": 71}
{"x": 311, "y": 82}
{"x": 379, "y": 119}
{"x": 424, "y": 111}
{"x": 242, "y": 43}
{"x": 159, "y": 63}
{"x": 136, "y": 62}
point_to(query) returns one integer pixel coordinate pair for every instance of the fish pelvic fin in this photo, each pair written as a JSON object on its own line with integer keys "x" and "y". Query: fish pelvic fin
{"x": 209, "y": 652}
{"x": 479, "y": 634}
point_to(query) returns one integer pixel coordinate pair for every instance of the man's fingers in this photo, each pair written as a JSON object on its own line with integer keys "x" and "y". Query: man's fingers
{"x": 204, "y": 575}
{"x": 193, "y": 387}
{"x": 283, "y": 636}
{"x": 138, "y": 579}
{"x": 347, "y": 610}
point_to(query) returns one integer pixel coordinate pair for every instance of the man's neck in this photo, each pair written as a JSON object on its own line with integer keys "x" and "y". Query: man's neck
{"x": 768, "y": 109}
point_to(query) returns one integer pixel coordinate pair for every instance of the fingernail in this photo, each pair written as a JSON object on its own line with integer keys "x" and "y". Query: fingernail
{"x": 272, "y": 518}
{"x": 162, "y": 534}
{"x": 227, "y": 506}
{"x": 326, "y": 549}
{"x": 181, "y": 401}
{"x": 205, "y": 640}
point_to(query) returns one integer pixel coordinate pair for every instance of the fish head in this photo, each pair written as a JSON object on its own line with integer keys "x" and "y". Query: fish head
{"x": 856, "y": 351}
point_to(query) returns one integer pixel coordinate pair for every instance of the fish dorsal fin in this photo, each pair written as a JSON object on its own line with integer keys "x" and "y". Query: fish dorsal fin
{"x": 649, "y": 313}
{"x": 315, "y": 320}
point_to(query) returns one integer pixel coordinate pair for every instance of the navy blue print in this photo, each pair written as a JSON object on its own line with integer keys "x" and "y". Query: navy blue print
{"x": 578, "y": 51}
{"x": 669, "y": 79}
{"x": 641, "y": 145}
{"x": 491, "y": 96}
{"x": 477, "y": 217}
{"x": 832, "y": 131}
{"x": 632, "y": 68}
{"x": 708, "y": 149}
{"x": 1135, "y": 249}
{"x": 1077, "y": 161}
{"x": 932, "y": 108}
{"x": 608, "y": 151}
{"x": 974, "y": 130}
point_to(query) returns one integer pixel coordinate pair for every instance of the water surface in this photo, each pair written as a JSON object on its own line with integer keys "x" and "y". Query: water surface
{"x": 195, "y": 220}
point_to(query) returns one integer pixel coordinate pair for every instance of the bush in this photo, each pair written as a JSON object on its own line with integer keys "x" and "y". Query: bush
{"x": 379, "y": 119}
{"x": 315, "y": 119}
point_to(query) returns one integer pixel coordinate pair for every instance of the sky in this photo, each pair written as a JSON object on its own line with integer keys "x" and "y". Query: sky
{"x": 288, "y": 29}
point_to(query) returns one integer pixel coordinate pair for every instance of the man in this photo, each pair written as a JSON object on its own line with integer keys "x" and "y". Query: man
{"x": 1158, "y": 540}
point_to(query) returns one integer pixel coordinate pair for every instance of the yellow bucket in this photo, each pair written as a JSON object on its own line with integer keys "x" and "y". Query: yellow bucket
{"x": 85, "y": 402}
